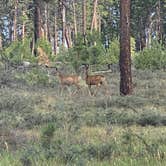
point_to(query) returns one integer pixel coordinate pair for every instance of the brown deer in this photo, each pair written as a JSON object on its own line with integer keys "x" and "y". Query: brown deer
{"x": 69, "y": 80}
{"x": 96, "y": 80}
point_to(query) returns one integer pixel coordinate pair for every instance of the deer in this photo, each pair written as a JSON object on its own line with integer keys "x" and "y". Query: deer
{"x": 96, "y": 80}
{"x": 68, "y": 80}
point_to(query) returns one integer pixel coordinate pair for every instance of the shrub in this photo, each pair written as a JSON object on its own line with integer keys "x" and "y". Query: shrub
{"x": 113, "y": 52}
{"x": 47, "y": 135}
{"x": 151, "y": 58}
{"x": 34, "y": 77}
{"x": 46, "y": 46}
{"x": 101, "y": 151}
{"x": 18, "y": 51}
{"x": 151, "y": 118}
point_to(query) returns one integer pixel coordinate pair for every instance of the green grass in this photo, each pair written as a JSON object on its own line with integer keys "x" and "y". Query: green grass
{"x": 41, "y": 126}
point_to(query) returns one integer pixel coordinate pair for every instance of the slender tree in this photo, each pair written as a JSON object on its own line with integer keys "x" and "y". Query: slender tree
{"x": 55, "y": 35}
{"x": 0, "y": 41}
{"x": 74, "y": 18}
{"x": 15, "y": 20}
{"x": 37, "y": 20}
{"x": 94, "y": 17}
{"x": 125, "y": 53}
{"x": 84, "y": 19}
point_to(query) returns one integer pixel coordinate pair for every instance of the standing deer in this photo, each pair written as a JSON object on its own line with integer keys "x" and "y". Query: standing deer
{"x": 96, "y": 80}
{"x": 69, "y": 80}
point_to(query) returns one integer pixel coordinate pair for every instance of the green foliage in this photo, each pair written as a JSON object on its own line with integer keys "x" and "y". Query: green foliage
{"x": 112, "y": 53}
{"x": 18, "y": 51}
{"x": 89, "y": 52}
{"x": 102, "y": 151}
{"x": 47, "y": 136}
{"x": 45, "y": 45}
{"x": 34, "y": 77}
{"x": 151, "y": 58}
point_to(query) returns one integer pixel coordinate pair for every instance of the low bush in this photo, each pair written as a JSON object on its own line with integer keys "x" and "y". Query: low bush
{"x": 34, "y": 77}
{"x": 153, "y": 57}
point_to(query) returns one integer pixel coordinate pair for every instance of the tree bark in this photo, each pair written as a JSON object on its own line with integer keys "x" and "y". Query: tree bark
{"x": 125, "y": 52}
{"x": 0, "y": 41}
{"x": 84, "y": 18}
{"x": 68, "y": 37}
{"x": 74, "y": 19}
{"x": 94, "y": 18}
{"x": 63, "y": 22}
{"x": 46, "y": 24}
{"x": 37, "y": 21}
{"x": 159, "y": 24}
{"x": 15, "y": 20}
{"x": 23, "y": 27}
{"x": 55, "y": 35}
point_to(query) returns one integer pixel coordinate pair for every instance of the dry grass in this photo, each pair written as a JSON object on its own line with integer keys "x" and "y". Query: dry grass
{"x": 82, "y": 120}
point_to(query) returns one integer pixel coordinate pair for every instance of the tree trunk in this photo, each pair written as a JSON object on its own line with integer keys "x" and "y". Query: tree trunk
{"x": 68, "y": 37}
{"x": 125, "y": 52}
{"x": 10, "y": 29}
{"x": 15, "y": 21}
{"x": 63, "y": 23}
{"x": 74, "y": 19}
{"x": 84, "y": 19}
{"x": 46, "y": 26}
{"x": 37, "y": 21}
{"x": 148, "y": 31}
{"x": 23, "y": 27}
{"x": 94, "y": 18}
{"x": 159, "y": 25}
{"x": 0, "y": 41}
{"x": 55, "y": 35}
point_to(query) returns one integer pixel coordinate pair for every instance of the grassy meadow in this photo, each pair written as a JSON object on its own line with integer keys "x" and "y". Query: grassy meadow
{"x": 43, "y": 125}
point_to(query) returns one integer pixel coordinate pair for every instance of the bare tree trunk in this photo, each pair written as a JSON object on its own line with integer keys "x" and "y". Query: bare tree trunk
{"x": 15, "y": 20}
{"x": 37, "y": 21}
{"x": 63, "y": 23}
{"x": 125, "y": 52}
{"x": 23, "y": 27}
{"x": 74, "y": 19}
{"x": 0, "y": 41}
{"x": 159, "y": 25}
{"x": 46, "y": 26}
{"x": 99, "y": 23}
{"x": 10, "y": 28}
{"x": 141, "y": 44}
{"x": 84, "y": 18}
{"x": 148, "y": 30}
{"x": 94, "y": 18}
{"x": 68, "y": 37}
{"x": 55, "y": 35}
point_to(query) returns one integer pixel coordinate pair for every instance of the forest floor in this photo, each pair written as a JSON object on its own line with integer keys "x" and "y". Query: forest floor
{"x": 42, "y": 125}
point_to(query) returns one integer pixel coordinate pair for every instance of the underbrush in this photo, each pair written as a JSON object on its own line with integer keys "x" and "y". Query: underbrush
{"x": 41, "y": 126}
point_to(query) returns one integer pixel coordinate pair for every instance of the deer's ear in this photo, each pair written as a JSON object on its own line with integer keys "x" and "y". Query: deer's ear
{"x": 87, "y": 66}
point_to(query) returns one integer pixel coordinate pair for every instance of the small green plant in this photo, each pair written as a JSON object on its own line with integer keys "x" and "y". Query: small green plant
{"x": 34, "y": 77}
{"x": 47, "y": 139}
{"x": 18, "y": 51}
{"x": 151, "y": 58}
{"x": 46, "y": 46}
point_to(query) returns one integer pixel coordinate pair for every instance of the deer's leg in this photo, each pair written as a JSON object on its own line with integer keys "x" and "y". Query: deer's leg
{"x": 97, "y": 89}
{"x": 105, "y": 84}
{"x": 61, "y": 89}
{"x": 78, "y": 88}
{"x": 90, "y": 90}
{"x": 69, "y": 90}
